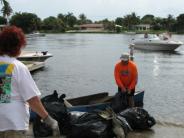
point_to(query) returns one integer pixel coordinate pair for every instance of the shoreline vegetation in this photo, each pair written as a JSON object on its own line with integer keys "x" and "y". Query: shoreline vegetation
{"x": 69, "y": 23}
{"x": 122, "y": 32}
{"x": 110, "y": 32}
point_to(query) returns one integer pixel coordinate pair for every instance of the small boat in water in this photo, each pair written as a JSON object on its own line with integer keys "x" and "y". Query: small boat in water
{"x": 35, "y": 34}
{"x": 33, "y": 66}
{"x": 156, "y": 43}
{"x": 34, "y": 56}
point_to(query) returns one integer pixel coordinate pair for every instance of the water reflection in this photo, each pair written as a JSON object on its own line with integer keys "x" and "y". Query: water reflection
{"x": 177, "y": 52}
{"x": 156, "y": 69}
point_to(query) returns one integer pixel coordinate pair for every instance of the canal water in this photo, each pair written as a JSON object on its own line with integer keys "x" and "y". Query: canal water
{"x": 83, "y": 64}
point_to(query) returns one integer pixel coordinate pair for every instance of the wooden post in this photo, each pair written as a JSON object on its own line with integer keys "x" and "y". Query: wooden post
{"x": 131, "y": 52}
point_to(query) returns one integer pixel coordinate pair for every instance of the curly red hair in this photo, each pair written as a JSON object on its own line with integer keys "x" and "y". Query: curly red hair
{"x": 12, "y": 40}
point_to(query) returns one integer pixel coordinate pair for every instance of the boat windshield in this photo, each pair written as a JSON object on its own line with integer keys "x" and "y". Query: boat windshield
{"x": 151, "y": 36}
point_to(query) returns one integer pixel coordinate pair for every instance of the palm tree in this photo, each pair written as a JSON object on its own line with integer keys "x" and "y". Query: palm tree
{"x": 82, "y": 18}
{"x": 70, "y": 19}
{"x": 170, "y": 22}
{"x": 6, "y": 9}
{"x": 130, "y": 20}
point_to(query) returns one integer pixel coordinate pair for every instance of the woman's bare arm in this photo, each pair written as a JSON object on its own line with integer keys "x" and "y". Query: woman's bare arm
{"x": 37, "y": 106}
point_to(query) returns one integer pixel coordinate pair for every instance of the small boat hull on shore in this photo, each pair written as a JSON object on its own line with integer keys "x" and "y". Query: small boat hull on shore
{"x": 99, "y": 102}
{"x": 90, "y": 103}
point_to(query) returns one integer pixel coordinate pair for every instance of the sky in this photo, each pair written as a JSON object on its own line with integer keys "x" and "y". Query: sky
{"x": 99, "y": 9}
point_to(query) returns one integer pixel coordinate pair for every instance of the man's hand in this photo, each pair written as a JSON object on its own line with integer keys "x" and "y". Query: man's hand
{"x": 53, "y": 124}
{"x": 128, "y": 91}
{"x": 123, "y": 89}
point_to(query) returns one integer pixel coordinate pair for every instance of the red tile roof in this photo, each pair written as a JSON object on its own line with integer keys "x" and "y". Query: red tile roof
{"x": 91, "y": 26}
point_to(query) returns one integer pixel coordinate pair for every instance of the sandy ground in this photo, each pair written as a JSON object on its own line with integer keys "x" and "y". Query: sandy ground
{"x": 30, "y": 133}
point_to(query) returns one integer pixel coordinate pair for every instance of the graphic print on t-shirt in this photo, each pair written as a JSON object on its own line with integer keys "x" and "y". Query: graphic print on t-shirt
{"x": 6, "y": 70}
{"x": 124, "y": 72}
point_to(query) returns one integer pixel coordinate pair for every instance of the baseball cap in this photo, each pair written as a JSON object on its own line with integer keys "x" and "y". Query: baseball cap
{"x": 125, "y": 57}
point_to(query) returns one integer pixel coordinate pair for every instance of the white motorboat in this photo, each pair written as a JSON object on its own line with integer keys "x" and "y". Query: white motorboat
{"x": 34, "y": 56}
{"x": 156, "y": 43}
{"x": 35, "y": 34}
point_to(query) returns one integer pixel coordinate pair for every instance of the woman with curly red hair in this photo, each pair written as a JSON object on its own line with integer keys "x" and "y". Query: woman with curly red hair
{"x": 18, "y": 90}
{"x": 12, "y": 40}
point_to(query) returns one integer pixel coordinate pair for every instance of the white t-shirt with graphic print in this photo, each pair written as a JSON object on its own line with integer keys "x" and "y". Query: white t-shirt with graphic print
{"x": 16, "y": 87}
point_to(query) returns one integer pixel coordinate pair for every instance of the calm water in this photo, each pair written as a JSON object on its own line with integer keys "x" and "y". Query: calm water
{"x": 84, "y": 64}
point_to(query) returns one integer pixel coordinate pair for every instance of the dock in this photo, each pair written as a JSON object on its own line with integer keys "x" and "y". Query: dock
{"x": 33, "y": 65}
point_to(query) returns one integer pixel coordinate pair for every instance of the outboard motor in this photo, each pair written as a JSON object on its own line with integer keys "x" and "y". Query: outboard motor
{"x": 44, "y": 52}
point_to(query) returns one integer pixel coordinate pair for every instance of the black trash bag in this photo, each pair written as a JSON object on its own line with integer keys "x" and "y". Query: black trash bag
{"x": 56, "y": 108}
{"x": 41, "y": 129}
{"x": 66, "y": 128}
{"x": 119, "y": 102}
{"x": 91, "y": 125}
{"x": 125, "y": 125}
{"x": 51, "y": 98}
{"x": 138, "y": 118}
{"x": 75, "y": 115}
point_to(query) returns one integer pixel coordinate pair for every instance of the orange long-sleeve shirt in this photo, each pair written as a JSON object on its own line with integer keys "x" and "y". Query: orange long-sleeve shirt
{"x": 126, "y": 75}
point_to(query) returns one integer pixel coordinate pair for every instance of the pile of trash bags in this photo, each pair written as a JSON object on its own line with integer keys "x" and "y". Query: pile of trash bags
{"x": 97, "y": 124}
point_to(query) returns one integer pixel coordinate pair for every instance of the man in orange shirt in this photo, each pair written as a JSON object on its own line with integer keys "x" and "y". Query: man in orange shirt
{"x": 125, "y": 74}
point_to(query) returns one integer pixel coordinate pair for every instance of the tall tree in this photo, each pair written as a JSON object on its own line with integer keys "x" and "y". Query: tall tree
{"x": 61, "y": 17}
{"x": 2, "y": 20}
{"x": 62, "y": 20}
{"x": 6, "y": 9}
{"x": 147, "y": 19}
{"x": 157, "y": 24}
{"x": 27, "y": 21}
{"x": 108, "y": 25}
{"x": 82, "y": 18}
{"x": 170, "y": 22}
{"x": 119, "y": 21}
{"x": 179, "y": 26}
{"x": 130, "y": 20}
{"x": 53, "y": 24}
{"x": 71, "y": 20}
